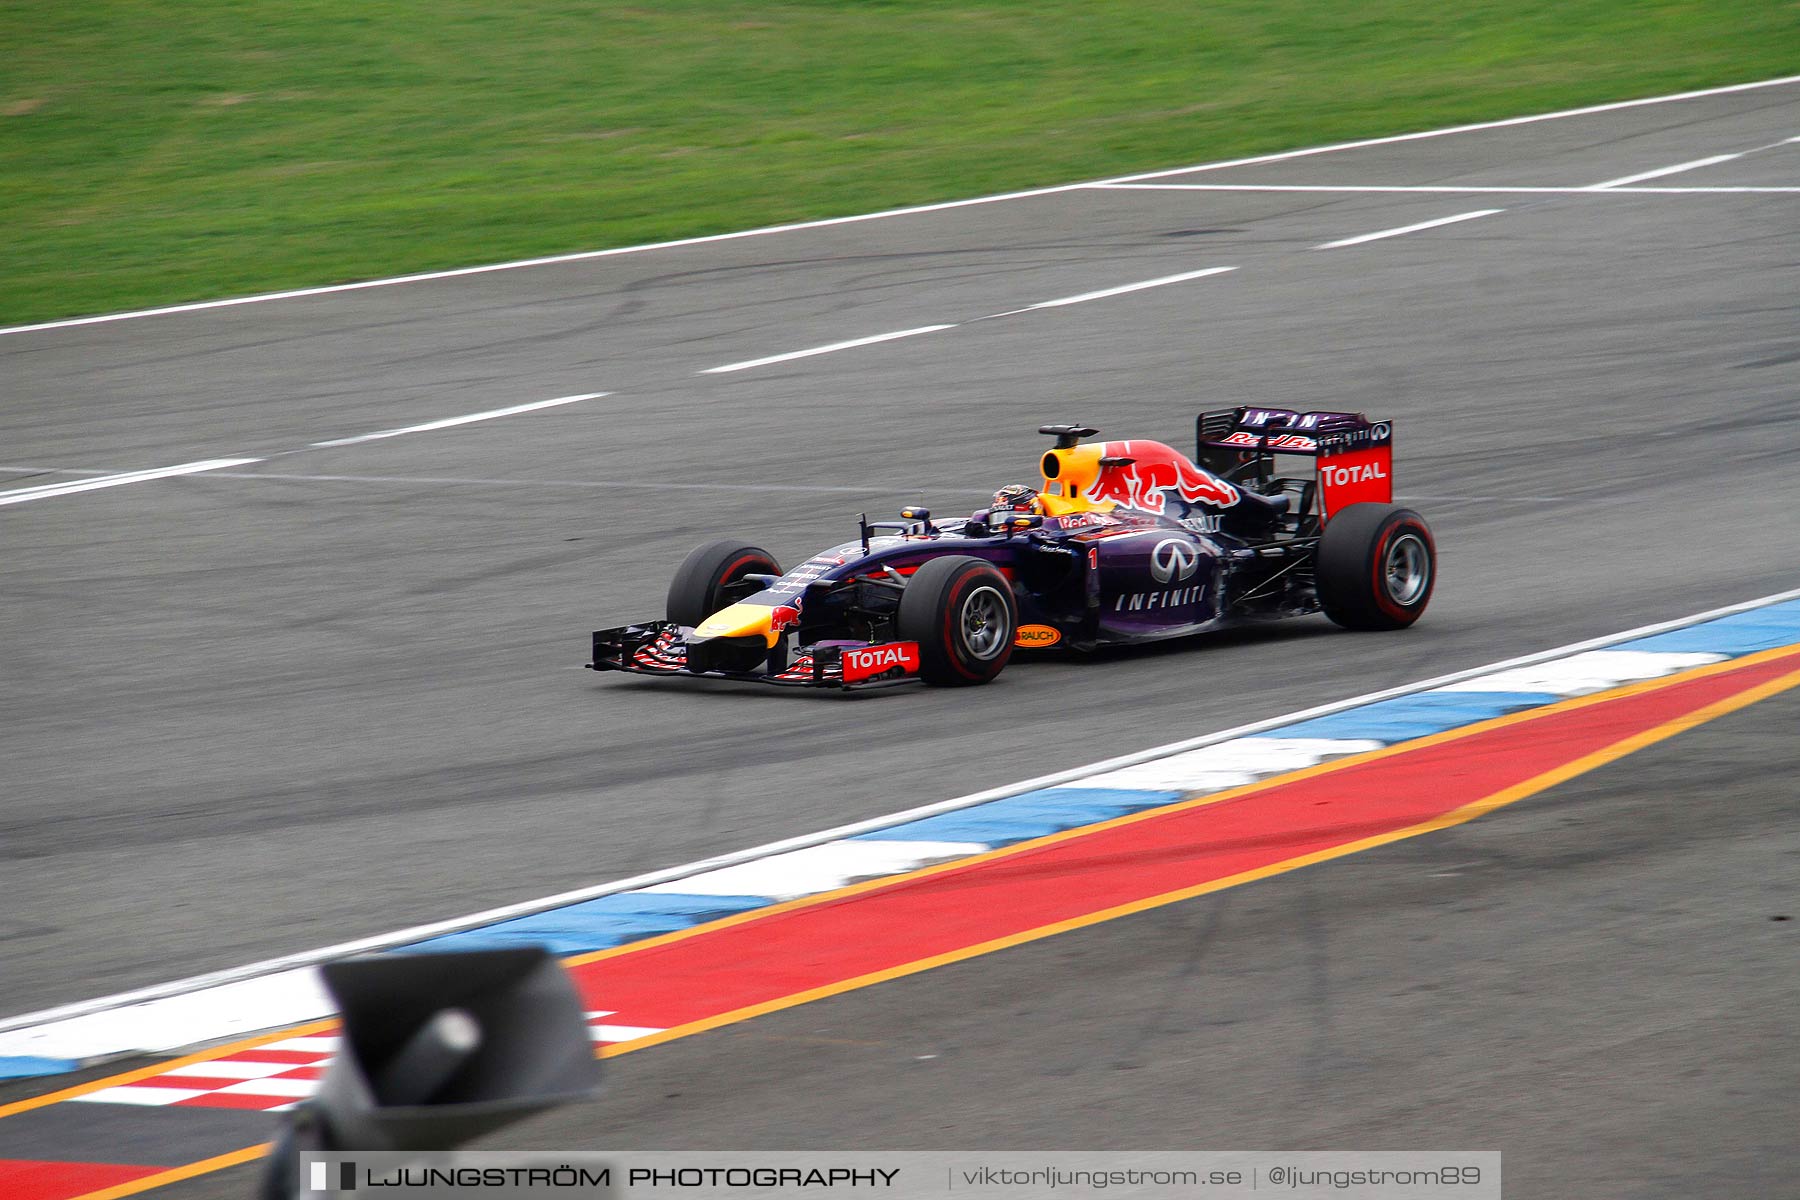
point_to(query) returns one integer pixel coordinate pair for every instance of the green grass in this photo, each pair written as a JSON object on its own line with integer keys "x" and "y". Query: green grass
{"x": 153, "y": 153}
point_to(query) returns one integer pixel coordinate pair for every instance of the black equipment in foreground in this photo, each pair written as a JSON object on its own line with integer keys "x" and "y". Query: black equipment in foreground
{"x": 438, "y": 1049}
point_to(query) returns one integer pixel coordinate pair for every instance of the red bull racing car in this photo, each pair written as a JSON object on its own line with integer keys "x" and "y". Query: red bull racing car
{"x": 1128, "y": 541}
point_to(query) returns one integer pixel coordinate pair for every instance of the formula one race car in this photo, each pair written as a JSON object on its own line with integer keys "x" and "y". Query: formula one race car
{"x": 1124, "y": 542}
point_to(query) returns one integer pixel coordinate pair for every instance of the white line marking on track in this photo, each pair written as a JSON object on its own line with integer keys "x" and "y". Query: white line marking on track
{"x": 471, "y": 418}
{"x": 656, "y": 484}
{"x": 1360, "y": 238}
{"x": 1440, "y": 189}
{"x": 817, "y": 869}
{"x": 46, "y": 490}
{"x": 245, "y": 975}
{"x": 639, "y": 484}
{"x": 1659, "y": 172}
{"x": 833, "y": 348}
{"x": 590, "y": 484}
{"x": 1121, "y": 290}
{"x": 1060, "y": 302}
{"x": 586, "y": 255}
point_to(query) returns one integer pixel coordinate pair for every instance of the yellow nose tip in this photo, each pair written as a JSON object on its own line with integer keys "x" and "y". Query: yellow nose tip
{"x": 740, "y": 620}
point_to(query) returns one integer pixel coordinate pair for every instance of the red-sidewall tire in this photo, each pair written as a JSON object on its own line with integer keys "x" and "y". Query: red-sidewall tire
{"x": 709, "y": 578}
{"x": 962, "y": 613}
{"x": 1376, "y": 567}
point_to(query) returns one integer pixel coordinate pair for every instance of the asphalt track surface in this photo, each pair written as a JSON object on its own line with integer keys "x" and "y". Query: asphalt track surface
{"x": 1589, "y": 981}
{"x": 338, "y": 691}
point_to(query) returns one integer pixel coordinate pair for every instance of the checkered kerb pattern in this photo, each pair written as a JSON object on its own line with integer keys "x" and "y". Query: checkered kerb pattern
{"x": 275, "y": 1077}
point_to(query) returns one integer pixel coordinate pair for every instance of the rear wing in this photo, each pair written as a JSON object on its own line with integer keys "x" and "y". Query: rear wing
{"x": 1354, "y": 455}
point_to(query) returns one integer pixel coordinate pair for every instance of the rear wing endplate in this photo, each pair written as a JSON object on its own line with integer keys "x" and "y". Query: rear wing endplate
{"x": 1354, "y": 456}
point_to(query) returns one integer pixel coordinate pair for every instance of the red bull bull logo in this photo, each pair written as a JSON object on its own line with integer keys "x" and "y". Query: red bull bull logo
{"x": 1153, "y": 467}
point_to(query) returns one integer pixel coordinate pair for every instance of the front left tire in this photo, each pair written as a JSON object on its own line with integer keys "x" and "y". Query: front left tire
{"x": 713, "y": 577}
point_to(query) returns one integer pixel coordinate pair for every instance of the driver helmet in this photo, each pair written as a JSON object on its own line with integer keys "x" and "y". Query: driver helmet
{"x": 1015, "y": 497}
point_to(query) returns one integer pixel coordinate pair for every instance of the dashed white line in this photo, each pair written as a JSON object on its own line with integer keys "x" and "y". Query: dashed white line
{"x": 1103, "y": 293}
{"x": 47, "y": 490}
{"x": 659, "y": 485}
{"x": 1123, "y": 289}
{"x": 869, "y": 488}
{"x": 1659, "y": 172}
{"x": 1404, "y": 229}
{"x": 833, "y": 348}
{"x": 471, "y": 418}
{"x": 873, "y": 488}
{"x": 585, "y": 255}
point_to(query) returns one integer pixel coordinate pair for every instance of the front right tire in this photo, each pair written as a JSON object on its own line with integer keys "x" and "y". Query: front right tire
{"x": 962, "y": 613}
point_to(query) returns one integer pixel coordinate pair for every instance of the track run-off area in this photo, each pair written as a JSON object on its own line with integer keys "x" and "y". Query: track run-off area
{"x": 298, "y": 590}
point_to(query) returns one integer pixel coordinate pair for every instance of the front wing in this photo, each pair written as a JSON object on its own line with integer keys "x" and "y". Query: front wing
{"x": 657, "y": 648}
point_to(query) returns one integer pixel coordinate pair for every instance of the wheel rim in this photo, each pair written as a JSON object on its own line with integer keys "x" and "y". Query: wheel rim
{"x": 985, "y": 623}
{"x": 1407, "y": 570}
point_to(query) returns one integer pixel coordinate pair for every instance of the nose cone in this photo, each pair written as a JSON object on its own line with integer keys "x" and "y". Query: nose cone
{"x": 740, "y": 620}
